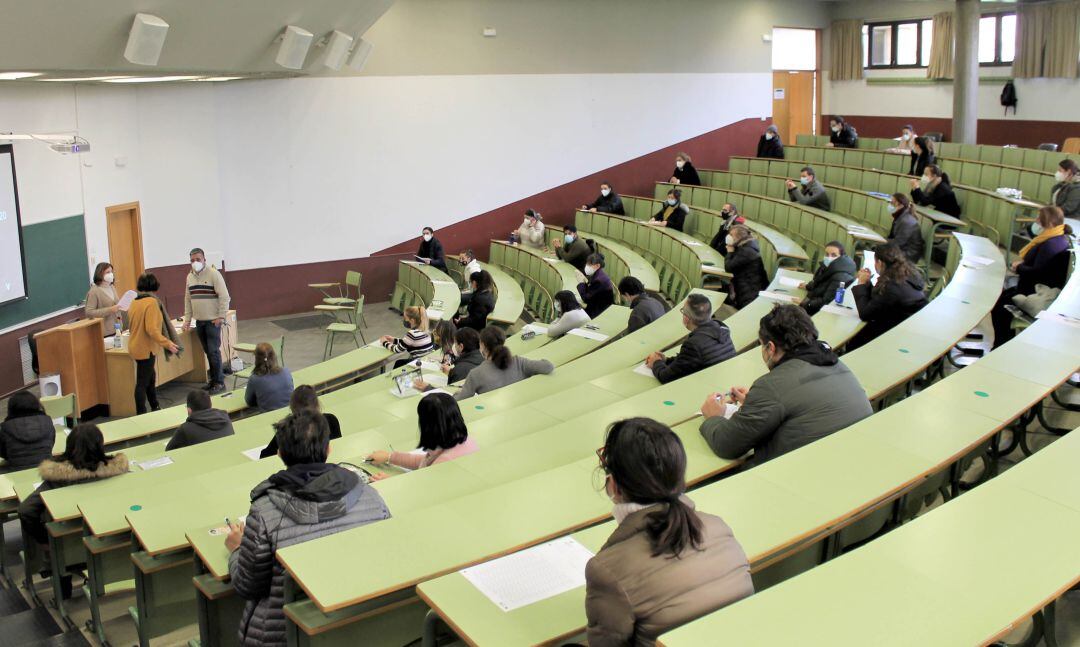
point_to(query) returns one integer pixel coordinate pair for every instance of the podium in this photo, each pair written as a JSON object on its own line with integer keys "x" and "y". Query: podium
{"x": 75, "y": 351}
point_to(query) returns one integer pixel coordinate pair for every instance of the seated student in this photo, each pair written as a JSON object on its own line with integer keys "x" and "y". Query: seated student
{"x": 809, "y": 191}
{"x": 443, "y": 436}
{"x": 531, "y": 231}
{"x": 468, "y": 355}
{"x": 27, "y": 434}
{"x": 673, "y": 213}
{"x": 922, "y": 155}
{"x": 842, "y": 134}
{"x": 481, "y": 303}
{"x": 743, "y": 261}
{"x": 1044, "y": 260}
{"x": 897, "y": 295}
{"x": 666, "y": 563}
{"x": 807, "y": 394}
{"x": 304, "y": 398}
{"x": 443, "y": 338}
{"x": 684, "y": 172}
{"x": 310, "y": 498}
{"x": 836, "y": 268}
{"x": 572, "y": 248}
{"x": 906, "y": 142}
{"x": 84, "y": 459}
{"x": 644, "y": 309}
{"x": 935, "y": 190}
{"x": 270, "y": 385}
{"x": 203, "y": 422}
{"x": 905, "y": 232}
{"x": 770, "y": 145}
{"x": 431, "y": 250}
{"x": 570, "y": 314}
{"x": 709, "y": 343}
{"x": 1066, "y": 192}
{"x": 417, "y": 341}
{"x": 608, "y": 202}
{"x": 500, "y": 367}
{"x": 470, "y": 266}
{"x": 731, "y": 217}
{"x": 597, "y": 291}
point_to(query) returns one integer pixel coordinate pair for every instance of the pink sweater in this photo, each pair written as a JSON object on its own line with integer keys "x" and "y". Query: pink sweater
{"x": 416, "y": 461}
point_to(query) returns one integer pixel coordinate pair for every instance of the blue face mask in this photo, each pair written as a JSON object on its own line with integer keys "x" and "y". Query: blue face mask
{"x": 804, "y": 181}
{"x": 1036, "y": 228}
{"x": 828, "y": 259}
{"x": 891, "y": 207}
{"x": 568, "y": 239}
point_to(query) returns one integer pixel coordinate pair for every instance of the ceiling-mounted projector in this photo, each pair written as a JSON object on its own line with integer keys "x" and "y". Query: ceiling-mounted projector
{"x": 67, "y": 148}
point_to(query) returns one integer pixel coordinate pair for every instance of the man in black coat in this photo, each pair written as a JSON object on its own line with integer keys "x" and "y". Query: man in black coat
{"x": 607, "y": 202}
{"x": 644, "y": 309}
{"x": 203, "y": 422}
{"x": 708, "y": 344}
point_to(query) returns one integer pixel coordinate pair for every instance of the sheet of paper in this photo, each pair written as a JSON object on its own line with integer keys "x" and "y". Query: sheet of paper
{"x": 553, "y": 261}
{"x": 789, "y": 282}
{"x": 832, "y": 308}
{"x": 1059, "y": 317}
{"x": 125, "y": 301}
{"x": 435, "y": 379}
{"x": 531, "y": 575}
{"x": 641, "y": 369}
{"x": 434, "y": 314}
{"x": 254, "y": 452}
{"x": 539, "y": 329}
{"x": 155, "y": 463}
{"x": 776, "y": 296}
{"x": 980, "y": 261}
{"x": 588, "y": 334}
{"x": 430, "y": 367}
{"x": 693, "y": 243}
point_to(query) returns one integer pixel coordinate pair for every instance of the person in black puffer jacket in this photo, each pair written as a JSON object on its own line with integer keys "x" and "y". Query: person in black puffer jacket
{"x": 770, "y": 145}
{"x": 899, "y": 293}
{"x": 27, "y": 434}
{"x": 935, "y": 190}
{"x": 468, "y": 355}
{"x": 743, "y": 261}
{"x": 731, "y": 218}
{"x": 836, "y": 268}
{"x": 842, "y": 134}
{"x": 481, "y": 304}
{"x": 708, "y": 344}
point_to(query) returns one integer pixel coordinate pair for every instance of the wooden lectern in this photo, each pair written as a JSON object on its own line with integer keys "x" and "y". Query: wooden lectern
{"x": 77, "y": 352}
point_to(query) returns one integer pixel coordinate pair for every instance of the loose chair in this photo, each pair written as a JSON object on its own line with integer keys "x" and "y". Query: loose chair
{"x": 343, "y": 328}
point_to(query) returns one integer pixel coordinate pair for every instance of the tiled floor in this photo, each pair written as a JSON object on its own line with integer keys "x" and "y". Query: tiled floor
{"x": 305, "y": 347}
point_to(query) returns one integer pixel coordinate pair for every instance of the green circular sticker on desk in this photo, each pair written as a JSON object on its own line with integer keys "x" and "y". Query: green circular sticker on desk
{"x": 135, "y": 508}
{"x": 982, "y": 394}
{"x": 904, "y": 350}
{"x": 669, "y": 403}
{"x": 479, "y": 407}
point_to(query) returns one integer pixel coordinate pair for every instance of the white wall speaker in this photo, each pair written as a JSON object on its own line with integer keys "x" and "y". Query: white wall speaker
{"x": 50, "y": 385}
{"x": 295, "y": 43}
{"x": 337, "y": 49}
{"x": 145, "y": 40}
{"x": 360, "y": 55}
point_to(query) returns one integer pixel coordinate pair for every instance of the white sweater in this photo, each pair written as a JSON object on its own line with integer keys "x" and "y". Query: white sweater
{"x": 567, "y": 322}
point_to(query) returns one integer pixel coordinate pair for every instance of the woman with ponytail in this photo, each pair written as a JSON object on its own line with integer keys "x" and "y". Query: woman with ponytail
{"x": 417, "y": 341}
{"x": 500, "y": 366}
{"x": 666, "y": 564}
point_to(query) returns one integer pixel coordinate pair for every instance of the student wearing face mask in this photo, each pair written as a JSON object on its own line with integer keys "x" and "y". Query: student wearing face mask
{"x": 899, "y": 293}
{"x": 807, "y": 394}
{"x": 572, "y": 248}
{"x": 842, "y": 134}
{"x": 933, "y": 189}
{"x": 431, "y": 250}
{"x": 666, "y": 563}
{"x": 608, "y": 202}
{"x": 672, "y": 213}
{"x": 500, "y": 366}
{"x": 101, "y": 300}
{"x": 467, "y": 351}
{"x": 906, "y": 142}
{"x": 731, "y": 217}
{"x": 597, "y": 292}
{"x": 770, "y": 145}
{"x": 417, "y": 340}
{"x": 708, "y": 343}
{"x": 809, "y": 191}
{"x": 569, "y": 312}
{"x": 905, "y": 232}
{"x": 743, "y": 261}
{"x": 922, "y": 155}
{"x": 481, "y": 303}
{"x": 836, "y": 268}
{"x": 1065, "y": 194}
{"x": 531, "y": 232}
{"x": 206, "y": 302}
{"x": 644, "y": 309}
{"x": 684, "y": 172}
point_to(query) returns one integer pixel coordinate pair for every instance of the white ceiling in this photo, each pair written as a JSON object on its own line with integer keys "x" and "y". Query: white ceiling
{"x": 227, "y": 37}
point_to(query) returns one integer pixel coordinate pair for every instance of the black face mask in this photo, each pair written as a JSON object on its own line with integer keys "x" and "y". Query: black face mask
{"x": 406, "y": 324}
{"x": 725, "y": 214}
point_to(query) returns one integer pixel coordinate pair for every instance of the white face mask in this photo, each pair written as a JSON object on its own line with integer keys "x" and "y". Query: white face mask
{"x": 905, "y": 136}
{"x": 1059, "y": 176}
{"x": 605, "y": 192}
{"x": 108, "y": 277}
{"x": 672, "y": 201}
{"x": 197, "y": 266}
{"x": 891, "y": 207}
{"x": 924, "y": 182}
{"x": 836, "y": 129}
{"x": 1036, "y": 228}
{"x": 729, "y": 240}
{"x": 769, "y": 135}
{"x": 590, "y": 270}
{"x": 679, "y": 163}
{"x": 427, "y": 238}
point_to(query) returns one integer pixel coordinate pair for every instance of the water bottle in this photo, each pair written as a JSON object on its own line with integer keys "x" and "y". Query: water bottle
{"x": 117, "y": 342}
{"x": 840, "y": 294}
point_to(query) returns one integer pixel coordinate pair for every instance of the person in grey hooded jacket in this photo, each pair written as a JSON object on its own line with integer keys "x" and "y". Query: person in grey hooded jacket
{"x": 309, "y": 499}
{"x": 203, "y": 422}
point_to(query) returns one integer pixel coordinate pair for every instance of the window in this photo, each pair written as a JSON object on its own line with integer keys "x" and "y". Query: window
{"x": 794, "y": 49}
{"x": 906, "y": 43}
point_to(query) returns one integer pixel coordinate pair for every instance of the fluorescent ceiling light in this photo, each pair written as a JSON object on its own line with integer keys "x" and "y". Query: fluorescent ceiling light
{"x": 85, "y": 78}
{"x": 15, "y": 76}
{"x": 149, "y": 79}
{"x": 219, "y": 78}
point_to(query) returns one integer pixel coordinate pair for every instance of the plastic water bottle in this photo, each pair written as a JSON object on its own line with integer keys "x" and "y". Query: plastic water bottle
{"x": 117, "y": 342}
{"x": 840, "y": 294}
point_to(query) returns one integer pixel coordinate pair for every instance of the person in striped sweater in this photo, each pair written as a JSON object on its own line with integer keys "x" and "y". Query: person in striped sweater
{"x": 417, "y": 340}
{"x": 206, "y": 303}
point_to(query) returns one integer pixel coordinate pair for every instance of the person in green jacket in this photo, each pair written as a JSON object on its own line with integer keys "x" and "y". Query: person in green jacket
{"x": 572, "y": 248}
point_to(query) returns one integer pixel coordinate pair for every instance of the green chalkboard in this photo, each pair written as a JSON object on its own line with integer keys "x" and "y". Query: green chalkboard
{"x": 56, "y": 270}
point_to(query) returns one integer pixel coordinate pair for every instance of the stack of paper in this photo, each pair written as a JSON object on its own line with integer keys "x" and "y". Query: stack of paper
{"x": 842, "y": 311}
{"x": 588, "y": 334}
{"x": 641, "y": 369}
{"x": 154, "y": 463}
{"x": 789, "y": 282}
{"x": 539, "y": 329}
{"x": 253, "y": 453}
{"x": 531, "y": 575}
{"x": 776, "y": 296}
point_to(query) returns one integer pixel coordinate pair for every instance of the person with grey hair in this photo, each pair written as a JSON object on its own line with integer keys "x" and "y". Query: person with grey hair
{"x": 770, "y": 145}
{"x": 708, "y": 344}
{"x": 206, "y": 304}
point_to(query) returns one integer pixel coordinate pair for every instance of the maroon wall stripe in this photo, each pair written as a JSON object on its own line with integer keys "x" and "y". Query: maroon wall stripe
{"x": 995, "y": 132}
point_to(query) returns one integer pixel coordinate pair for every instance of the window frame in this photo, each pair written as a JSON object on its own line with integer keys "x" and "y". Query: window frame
{"x": 894, "y": 26}
{"x": 998, "y": 16}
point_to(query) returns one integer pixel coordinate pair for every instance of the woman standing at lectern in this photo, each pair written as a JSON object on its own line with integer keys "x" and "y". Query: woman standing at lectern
{"x": 101, "y": 300}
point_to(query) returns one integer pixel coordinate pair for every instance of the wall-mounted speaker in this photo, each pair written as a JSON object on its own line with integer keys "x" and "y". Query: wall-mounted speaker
{"x": 145, "y": 40}
{"x": 295, "y": 43}
{"x": 360, "y": 54}
{"x": 337, "y": 49}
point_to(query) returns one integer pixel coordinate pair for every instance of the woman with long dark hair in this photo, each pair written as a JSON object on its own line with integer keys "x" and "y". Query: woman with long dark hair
{"x": 666, "y": 563}
{"x": 443, "y": 435}
{"x": 501, "y": 367}
{"x": 899, "y": 293}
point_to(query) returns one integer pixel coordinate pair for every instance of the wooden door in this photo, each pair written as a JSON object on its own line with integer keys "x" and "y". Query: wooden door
{"x": 124, "y": 223}
{"x": 794, "y": 95}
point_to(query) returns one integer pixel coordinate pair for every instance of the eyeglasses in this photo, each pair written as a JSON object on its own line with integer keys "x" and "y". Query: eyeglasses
{"x": 601, "y": 453}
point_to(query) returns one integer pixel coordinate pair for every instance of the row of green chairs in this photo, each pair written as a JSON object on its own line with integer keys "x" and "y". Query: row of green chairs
{"x": 509, "y": 298}
{"x": 1032, "y": 159}
{"x": 616, "y": 266}
{"x": 538, "y": 277}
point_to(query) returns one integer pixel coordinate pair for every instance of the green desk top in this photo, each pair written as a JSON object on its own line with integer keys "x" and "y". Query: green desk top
{"x": 446, "y": 295}
{"x": 708, "y": 256}
{"x": 784, "y": 246}
{"x": 511, "y": 300}
{"x": 565, "y": 349}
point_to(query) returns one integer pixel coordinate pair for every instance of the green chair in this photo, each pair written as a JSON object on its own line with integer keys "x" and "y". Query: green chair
{"x": 350, "y": 292}
{"x": 245, "y": 373}
{"x": 342, "y": 328}
{"x": 61, "y": 406}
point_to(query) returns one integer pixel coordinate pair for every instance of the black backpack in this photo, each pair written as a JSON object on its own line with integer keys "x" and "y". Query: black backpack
{"x": 1008, "y": 97}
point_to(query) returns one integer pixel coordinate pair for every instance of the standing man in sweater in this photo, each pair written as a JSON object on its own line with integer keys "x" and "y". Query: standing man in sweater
{"x": 206, "y": 302}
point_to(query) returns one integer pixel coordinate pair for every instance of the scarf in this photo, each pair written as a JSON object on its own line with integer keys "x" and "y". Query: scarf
{"x": 668, "y": 210}
{"x": 1047, "y": 234}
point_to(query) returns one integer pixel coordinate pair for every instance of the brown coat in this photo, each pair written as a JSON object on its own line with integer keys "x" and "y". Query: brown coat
{"x": 632, "y": 597}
